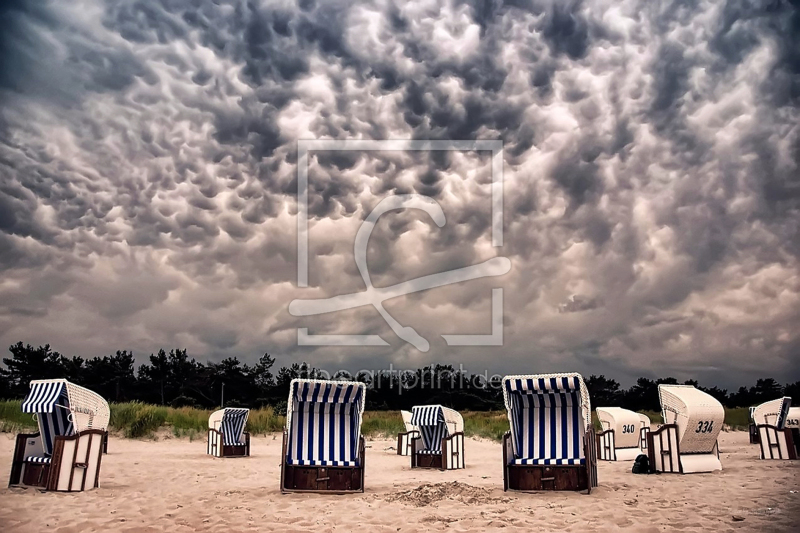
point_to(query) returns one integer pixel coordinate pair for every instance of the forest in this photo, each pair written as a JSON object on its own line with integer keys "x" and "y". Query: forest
{"x": 175, "y": 379}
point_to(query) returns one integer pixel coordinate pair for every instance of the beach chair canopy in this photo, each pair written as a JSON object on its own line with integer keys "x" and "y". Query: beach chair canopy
{"x": 231, "y": 422}
{"x": 435, "y": 423}
{"x": 548, "y": 414}
{"x": 774, "y": 413}
{"x": 625, "y": 423}
{"x": 698, "y": 415}
{"x": 63, "y": 408}
{"x": 407, "y": 421}
{"x": 323, "y": 421}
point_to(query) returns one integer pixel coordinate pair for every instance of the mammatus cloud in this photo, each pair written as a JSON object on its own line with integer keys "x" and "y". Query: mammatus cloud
{"x": 652, "y": 199}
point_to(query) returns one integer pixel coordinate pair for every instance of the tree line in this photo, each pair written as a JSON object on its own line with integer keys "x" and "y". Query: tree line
{"x": 174, "y": 378}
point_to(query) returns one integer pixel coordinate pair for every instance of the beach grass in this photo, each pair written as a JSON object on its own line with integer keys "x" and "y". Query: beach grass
{"x": 140, "y": 420}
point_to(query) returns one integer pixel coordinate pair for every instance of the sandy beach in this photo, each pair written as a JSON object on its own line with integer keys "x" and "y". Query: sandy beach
{"x": 171, "y": 485}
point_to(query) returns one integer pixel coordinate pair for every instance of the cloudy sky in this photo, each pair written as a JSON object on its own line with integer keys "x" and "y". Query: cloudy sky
{"x": 148, "y": 179}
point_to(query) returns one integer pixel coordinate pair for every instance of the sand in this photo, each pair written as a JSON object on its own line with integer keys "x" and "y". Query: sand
{"x": 171, "y": 485}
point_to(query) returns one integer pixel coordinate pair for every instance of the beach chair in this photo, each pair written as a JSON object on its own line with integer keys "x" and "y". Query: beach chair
{"x": 751, "y": 427}
{"x": 551, "y": 444}
{"x": 775, "y": 439}
{"x": 644, "y": 420}
{"x": 323, "y": 450}
{"x": 226, "y": 434}
{"x": 793, "y": 425}
{"x": 687, "y": 441}
{"x": 404, "y": 439}
{"x": 620, "y": 439}
{"x": 440, "y": 443}
{"x": 66, "y": 453}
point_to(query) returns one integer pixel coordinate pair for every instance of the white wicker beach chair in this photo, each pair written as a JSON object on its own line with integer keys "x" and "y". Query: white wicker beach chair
{"x": 643, "y": 431}
{"x": 620, "y": 439}
{"x": 775, "y": 439}
{"x": 226, "y": 434}
{"x": 66, "y": 453}
{"x": 687, "y": 442}
{"x": 404, "y": 439}
{"x": 440, "y": 443}
{"x": 551, "y": 444}
{"x": 323, "y": 450}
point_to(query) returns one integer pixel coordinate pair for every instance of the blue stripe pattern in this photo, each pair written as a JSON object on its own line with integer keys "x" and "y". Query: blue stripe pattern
{"x": 43, "y": 397}
{"x": 233, "y": 422}
{"x": 51, "y": 404}
{"x": 325, "y": 423}
{"x": 432, "y": 426}
{"x": 546, "y": 422}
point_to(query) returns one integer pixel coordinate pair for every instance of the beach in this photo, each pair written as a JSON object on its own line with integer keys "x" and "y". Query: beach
{"x": 170, "y": 484}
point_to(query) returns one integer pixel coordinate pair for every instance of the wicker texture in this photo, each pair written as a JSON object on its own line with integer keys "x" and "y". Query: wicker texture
{"x": 773, "y": 412}
{"x": 698, "y": 415}
{"x": 88, "y": 410}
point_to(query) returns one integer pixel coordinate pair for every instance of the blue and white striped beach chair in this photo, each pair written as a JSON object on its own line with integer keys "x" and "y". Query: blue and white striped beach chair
{"x": 551, "y": 444}
{"x": 226, "y": 434}
{"x": 440, "y": 443}
{"x": 775, "y": 439}
{"x": 323, "y": 450}
{"x": 65, "y": 454}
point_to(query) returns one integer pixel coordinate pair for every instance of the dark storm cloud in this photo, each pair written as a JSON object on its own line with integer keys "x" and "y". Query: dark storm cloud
{"x": 148, "y": 166}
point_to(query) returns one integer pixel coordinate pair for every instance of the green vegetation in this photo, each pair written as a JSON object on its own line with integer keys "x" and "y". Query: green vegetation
{"x": 138, "y": 420}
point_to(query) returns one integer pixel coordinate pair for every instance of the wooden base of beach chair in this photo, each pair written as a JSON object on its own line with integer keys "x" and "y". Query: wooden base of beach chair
{"x": 664, "y": 453}
{"x": 327, "y": 479}
{"x": 776, "y": 443}
{"x": 217, "y": 448}
{"x": 74, "y": 465}
{"x": 451, "y": 457}
{"x": 404, "y": 442}
{"x": 530, "y": 478}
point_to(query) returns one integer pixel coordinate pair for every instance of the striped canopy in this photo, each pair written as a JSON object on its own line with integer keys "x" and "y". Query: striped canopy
{"x": 233, "y": 422}
{"x": 548, "y": 415}
{"x": 50, "y": 402}
{"x": 43, "y": 397}
{"x": 432, "y": 425}
{"x": 324, "y": 422}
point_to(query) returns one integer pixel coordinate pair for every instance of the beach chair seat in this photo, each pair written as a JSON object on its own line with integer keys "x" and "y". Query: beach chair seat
{"x": 404, "y": 439}
{"x": 66, "y": 453}
{"x": 775, "y": 440}
{"x": 226, "y": 433}
{"x": 40, "y": 459}
{"x": 551, "y": 444}
{"x": 323, "y": 449}
{"x": 687, "y": 441}
{"x": 621, "y": 437}
{"x": 439, "y": 442}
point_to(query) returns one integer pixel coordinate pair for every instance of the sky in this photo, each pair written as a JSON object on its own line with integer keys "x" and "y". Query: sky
{"x": 651, "y": 180}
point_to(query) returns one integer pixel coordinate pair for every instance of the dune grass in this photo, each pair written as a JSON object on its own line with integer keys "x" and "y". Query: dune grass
{"x": 139, "y": 420}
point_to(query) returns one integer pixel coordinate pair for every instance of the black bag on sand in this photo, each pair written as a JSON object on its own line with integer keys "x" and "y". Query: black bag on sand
{"x": 641, "y": 465}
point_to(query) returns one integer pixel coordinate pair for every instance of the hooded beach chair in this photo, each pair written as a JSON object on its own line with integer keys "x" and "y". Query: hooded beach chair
{"x": 404, "y": 439}
{"x": 65, "y": 454}
{"x": 775, "y": 439}
{"x": 751, "y": 427}
{"x": 551, "y": 444}
{"x": 226, "y": 434}
{"x": 323, "y": 450}
{"x": 440, "y": 443}
{"x": 687, "y": 441}
{"x": 644, "y": 420}
{"x": 620, "y": 439}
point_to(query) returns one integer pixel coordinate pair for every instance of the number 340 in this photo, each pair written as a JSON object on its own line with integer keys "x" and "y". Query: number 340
{"x": 704, "y": 426}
